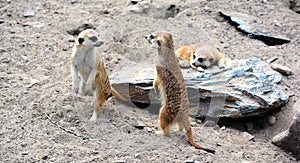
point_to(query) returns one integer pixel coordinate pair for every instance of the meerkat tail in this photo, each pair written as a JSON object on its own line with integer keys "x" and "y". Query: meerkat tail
{"x": 193, "y": 143}
{"x": 119, "y": 96}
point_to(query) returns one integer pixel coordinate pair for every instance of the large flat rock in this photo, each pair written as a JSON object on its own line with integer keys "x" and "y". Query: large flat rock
{"x": 243, "y": 88}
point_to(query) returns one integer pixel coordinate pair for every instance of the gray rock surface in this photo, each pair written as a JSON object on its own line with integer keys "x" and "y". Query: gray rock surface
{"x": 290, "y": 138}
{"x": 243, "y": 88}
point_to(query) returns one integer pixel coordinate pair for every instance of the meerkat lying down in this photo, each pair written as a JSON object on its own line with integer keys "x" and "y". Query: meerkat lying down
{"x": 175, "y": 102}
{"x": 87, "y": 68}
{"x": 201, "y": 56}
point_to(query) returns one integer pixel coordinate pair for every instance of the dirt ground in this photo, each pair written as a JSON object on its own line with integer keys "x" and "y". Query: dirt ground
{"x": 42, "y": 120}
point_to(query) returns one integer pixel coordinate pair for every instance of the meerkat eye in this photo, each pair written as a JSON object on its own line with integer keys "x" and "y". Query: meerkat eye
{"x": 93, "y": 38}
{"x": 194, "y": 56}
{"x": 158, "y": 42}
{"x": 151, "y": 36}
{"x": 200, "y": 59}
{"x": 211, "y": 60}
{"x": 80, "y": 40}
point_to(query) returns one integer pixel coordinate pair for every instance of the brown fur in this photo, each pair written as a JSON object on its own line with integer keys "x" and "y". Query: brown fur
{"x": 209, "y": 56}
{"x": 169, "y": 78}
{"x": 88, "y": 68}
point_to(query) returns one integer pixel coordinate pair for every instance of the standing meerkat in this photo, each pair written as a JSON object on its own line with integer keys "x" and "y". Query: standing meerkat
{"x": 169, "y": 78}
{"x": 201, "y": 56}
{"x": 87, "y": 68}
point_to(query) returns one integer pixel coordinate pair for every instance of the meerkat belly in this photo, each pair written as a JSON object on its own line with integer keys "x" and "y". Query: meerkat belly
{"x": 84, "y": 71}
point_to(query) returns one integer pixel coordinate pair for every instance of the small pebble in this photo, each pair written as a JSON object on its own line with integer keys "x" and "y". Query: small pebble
{"x": 271, "y": 120}
{"x": 1, "y": 21}
{"x": 25, "y": 153}
{"x": 282, "y": 69}
{"x": 248, "y": 136}
{"x": 205, "y": 9}
{"x": 28, "y": 14}
{"x": 25, "y": 58}
{"x": 223, "y": 128}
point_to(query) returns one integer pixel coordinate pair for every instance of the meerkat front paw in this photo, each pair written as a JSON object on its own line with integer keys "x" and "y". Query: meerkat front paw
{"x": 200, "y": 69}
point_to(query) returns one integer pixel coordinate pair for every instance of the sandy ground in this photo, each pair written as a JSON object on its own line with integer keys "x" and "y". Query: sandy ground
{"x": 46, "y": 122}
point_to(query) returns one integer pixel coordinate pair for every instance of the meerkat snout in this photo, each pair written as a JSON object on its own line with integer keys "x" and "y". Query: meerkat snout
{"x": 98, "y": 43}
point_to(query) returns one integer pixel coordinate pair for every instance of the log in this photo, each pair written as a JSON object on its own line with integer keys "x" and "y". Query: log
{"x": 243, "y": 88}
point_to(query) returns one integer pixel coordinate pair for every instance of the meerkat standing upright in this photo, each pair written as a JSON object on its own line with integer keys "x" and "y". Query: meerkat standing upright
{"x": 88, "y": 68}
{"x": 169, "y": 78}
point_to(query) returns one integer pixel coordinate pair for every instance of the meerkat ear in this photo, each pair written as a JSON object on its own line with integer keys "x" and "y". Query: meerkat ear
{"x": 80, "y": 40}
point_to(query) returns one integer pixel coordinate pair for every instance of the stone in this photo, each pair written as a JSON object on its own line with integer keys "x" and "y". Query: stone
{"x": 239, "y": 21}
{"x": 32, "y": 83}
{"x": 290, "y": 139}
{"x": 244, "y": 88}
{"x": 247, "y": 136}
{"x": 282, "y": 69}
{"x": 139, "y": 125}
{"x": 75, "y": 31}
{"x": 28, "y": 14}
{"x": 271, "y": 120}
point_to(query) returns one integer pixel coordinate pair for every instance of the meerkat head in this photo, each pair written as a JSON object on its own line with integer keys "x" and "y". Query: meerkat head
{"x": 161, "y": 39}
{"x": 202, "y": 57}
{"x": 88, "y": 38}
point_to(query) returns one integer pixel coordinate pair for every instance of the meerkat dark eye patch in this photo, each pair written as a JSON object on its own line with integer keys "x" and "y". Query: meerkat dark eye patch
{"x": 151, "y": 36}
{"x": 93, "y": 38}
{"x": 201, "y": 59}
{"x": 80, "y": 40}
{"x": 211, "y": 60}
{"x": 194, "y": 56}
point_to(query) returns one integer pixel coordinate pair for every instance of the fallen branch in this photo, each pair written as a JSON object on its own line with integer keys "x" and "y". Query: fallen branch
{"x": 64, "y": 129}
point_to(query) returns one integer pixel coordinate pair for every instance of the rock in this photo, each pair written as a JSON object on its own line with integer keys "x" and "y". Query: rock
{"x": 82, "y": 27}
{"x": 205, "y": 9}
{"x": 28, "y": 14}
{"x": 223, "y": 128}
{"x": 290, "y": 139}
{"x": 25, "y": 153}
{"x": 139, "y": 125}
{"x": 247, "y": 136}
{"x": 25, "y": 58}
{"x": 189, "y": 161}
{"x": 282, "y": 69}
{"x": 209, "y": 123}
{"x": 295, "y": 6}
{"x": 34, "y": 24}
{"x": 277, "y": 23}
{"x": 271, "y": 60}
{"x": 240, "y": 154}
{"x": 32, "y": 82}
{"x": 271, "y": 120}
{"x": 120, "y": 161}
{"x": 244, "y": 88}
{"x": 1, "y": 21}
{"x": 250, "y": 30}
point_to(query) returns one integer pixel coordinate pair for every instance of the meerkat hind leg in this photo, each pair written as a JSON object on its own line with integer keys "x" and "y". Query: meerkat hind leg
{"x": 97, "y": 102}
{"x": 180, "y": 126}
{"x": 164, "y": 124}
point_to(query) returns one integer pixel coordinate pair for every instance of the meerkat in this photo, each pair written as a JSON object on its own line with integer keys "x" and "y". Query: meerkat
{"x": 88, "y": 71}
{"x": 169, "y": 78}
{"x": 201, "y": 56}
